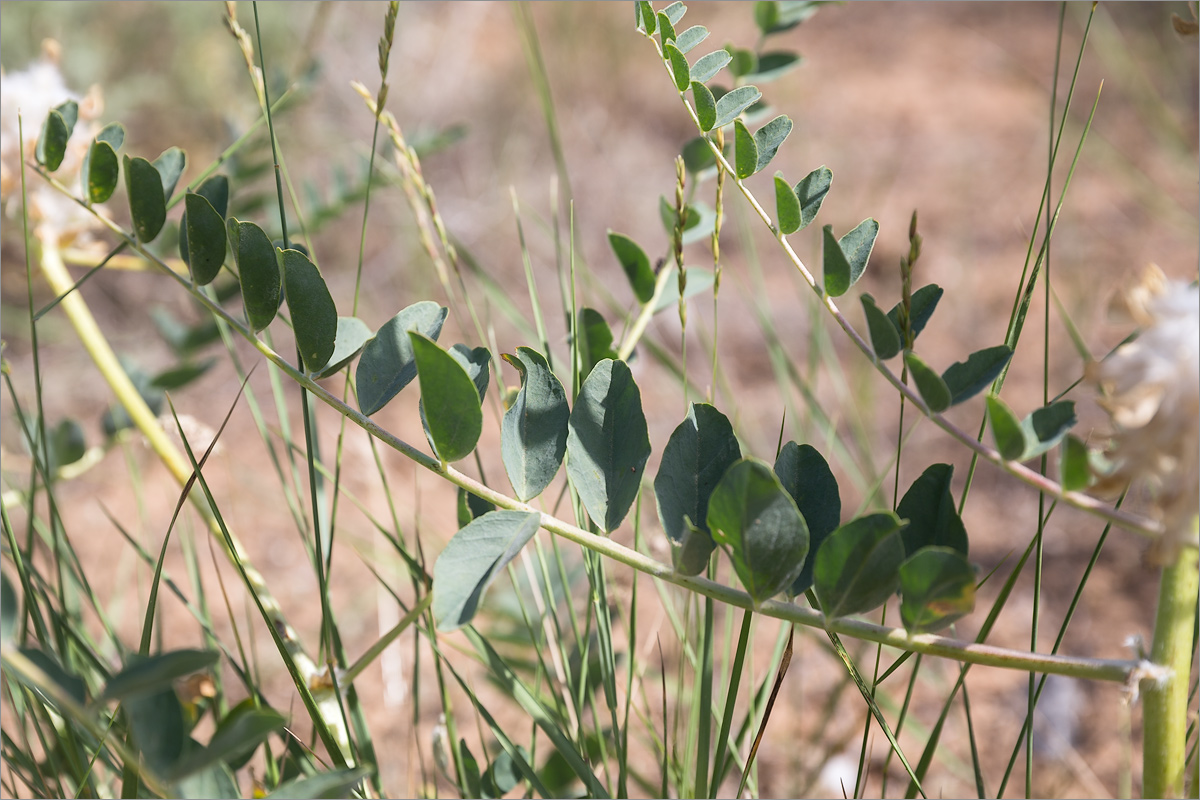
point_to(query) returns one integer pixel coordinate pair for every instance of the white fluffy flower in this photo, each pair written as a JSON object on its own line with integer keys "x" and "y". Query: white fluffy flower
{"x": 33, "y": 93}
{"x": 1151, "y": 389}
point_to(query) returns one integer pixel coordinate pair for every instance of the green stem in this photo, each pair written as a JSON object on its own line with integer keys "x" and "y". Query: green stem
{"x": 1165, "y": 747}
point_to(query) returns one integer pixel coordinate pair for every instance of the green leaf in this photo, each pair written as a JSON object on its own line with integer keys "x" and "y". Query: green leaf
{"x": 471, "y": 560}
{"x": 146, "y": 676}
{"x": 452, "y": 400}
{"x": 147, "y": 205}
{"x": 386, "y": 365}
{"x": 10, "y": 609}
{"x": 607, "y": 443}
{"x": 773, "y": 65}
{"x": 258, "y": 272}
{"x": 248, "y": 706}
{"x": 216, "y": 191}
{"x": 181, "y": 375}
{"x": 744, "y": 61}
{"x": 504, "y": 774}
{"x": 787, "y": 206}
{"x": 698, "y": 220}
{"x": 924, "y": 301}
{"x": 965, "y": 379}
{"x": 71, "y": 684}
{"x": 472, "y": 506}
{"x": 773, "y": 16}
{"x": 734, "y": 103}
{"x": 698, "y": 156}
{"x": 67, "y": 444}
{"x": 216, "y": 781}
{"x": 745, "y": 150}
{"x": 52, "y": 141}
{"x": 470, "y": 769}
{"x": 1047, "y": 426}
{"x": 113, "y": 133}
{"x": 846, "y": 258}
{"x": 1006, "y": 429}
{"x": 170, "y": 165}
{"x": 811, "y": 193}
{"x": 1075, "y": 465}
{"x": 244, "y": 733}
{"x": 533, "y": 435}
{"x": 101, "y": 171}
{"x": 645, "y": 17}
{"x": 933, "y": 389}
{"x": 206, "y": 239}
{"x": 156, "y": 721}
{"x": 806, "y": 476}
{"x": 766, "y": 16}
{"x": 674, "y": 12}
{"x": 885, "y": 337}
{"x": 595, "y": 340}
{"x": 709, "y": 65}
{"x": 314, "y": 316}
{"x": 929, "y": 507}
{"x": 352, "y": 336}
{"x": 699, "y": 280}
{"x": 768, "y": 138}
{"x": 690, "y": 38}
{"x": 752, "y": 515}
{"x": 334, "y": 783}
{"x": 476, "y": 363}
{"x": 680, "y": 71}
{"x": 937, "y": 587}
{"x": 69, "y": 111}
{"x": 699, "y": 451}
{"x": 858, "y": 566}
{"x": 636, "y": 264}
{"x": 706, "y": 106}
{"x": 666, "y": 31}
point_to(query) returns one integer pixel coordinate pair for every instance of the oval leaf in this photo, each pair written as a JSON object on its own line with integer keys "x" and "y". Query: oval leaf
{"x": 885, "y": 338}
{"x": 533, "y": 435}
{"x": 352, "y": 334}
{"x": 966, "y": 379}
{"x": 146, "y": 676}
{"x": 156, "y": 722}
{"x": 1047, "y": 426}
{"x": 698, "y": 453}
{"x": 314, "y": 316}
{"x": 773, "y": 65}
{"x": 745, "y": 150}
{"x": 753, "y": 515}
{"x": 706, "y": 105}
{"x": 933, "y": 389}
{"x": 645, "y": 17}
{"x": 470, "y": 561}
{"x": 1006, "y": 429}
{"x": 708, "y": 66}
{"x": 170, "y": 165}
{"x": 811, "y": 193}
{"x": 689, "y": 39}
{"x": 52, "y": 141}
{"x": 846, "y": 259}
{"x": 245, "y": 733}
{"x": 858, "y": 566}
{"x": 787, "y": 206}
{"x": 451, "y": 399}
{"x": 607, "y": 443}
{"x": 937, "y": 587}
{"x": 924, "y": 301}
{"x": 387, "y": 365}
{"x": 680, "y": 71}
{"x": 1075, "y": 466}
{"x": 206, "y": 239}
{"x": 769, "y": 137}
{"x": 806, "y": 476}
{"x": 258, "y": 271}
{"x": 216, "y": 191}
{"x": 734, "y": 103}
{"x": 147, "y": 204}
{"x": 636, "y": 264}
{"x": 334, "y": 783}
{"x": 933, "y": 519}
{"x": 666, "y": 31}
{"x": 102, "y": 172}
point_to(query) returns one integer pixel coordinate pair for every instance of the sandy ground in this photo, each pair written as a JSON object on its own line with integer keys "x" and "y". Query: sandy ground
{"x": 942, "y": 108}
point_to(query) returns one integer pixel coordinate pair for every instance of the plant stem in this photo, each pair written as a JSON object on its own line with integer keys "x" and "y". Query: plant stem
{"x": 1165, "y": 747}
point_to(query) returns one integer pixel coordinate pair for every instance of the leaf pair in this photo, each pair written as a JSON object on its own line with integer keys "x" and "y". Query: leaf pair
{"x": 887, "y": 340}
{"x": 961, "y": 381}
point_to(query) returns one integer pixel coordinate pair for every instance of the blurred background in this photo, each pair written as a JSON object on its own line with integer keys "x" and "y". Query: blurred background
{"x": 941, "y": 108}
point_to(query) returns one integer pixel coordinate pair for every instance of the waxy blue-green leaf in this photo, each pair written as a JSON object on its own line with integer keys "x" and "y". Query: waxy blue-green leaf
{"x": 471, "y": 506}
{"x": 386, "y": 365}
{"x": 932, "y": 516}
{"x": 147, "y": 204}
{"x": 743, "y": 61}
{"x": 773, "y": 65}
{"x": 334, "y": 783}
{"x": 477, "y": 363}
{"x": 768, "y": 138}
{"x": 806, "y": 476}
{"x": 937, "y": 587}
{"x": 607, "y": 443}
{"x": 965, "y": 379}
{"x": 787, "y": 206}
{"x": 674, "y": 12}
{"x": 666, "y": 31}
{"x": 1006, "y": 429}
{"x": 52, "y": 141}
{"x": 69, "y": 111}
{"x": 645, "y": 17}
{"x": 680, "y": 71}
{"x": 755, "y": 518}
{"x": 145, "y": 676}
{"x": 699, "y": 219}
{"x": 156, "y": 721}
{"x": 1075, "y": 464}
{"x": 706, "y": 106}
{"x": 933, "y": 389}
{"x": 858, "y": 566}
{"x": 1038, "y": 433}
{"x": 216, "y": 191}
{"x": 846, "y": 258}
{"x": 470, "y": 561}
{"x": 170, "y": 165}
{"x": 71, "y": 684}
{"x": 709, "y": 65}
{"x": 734, "y": 103}
{"x": 595, "y": 340}
{"x": 245, "y": 733}
{"x": 533, "y": 435}
{"x": 258, "y": 271}
{"x": 216, "y": 781}
{"x": 101, "y": 171}
{"x": 206, "y": 239}
{"x": 924, "y": 302}
{"x": 777, "y": 16}
{"x": 699, "y": 280}
{"x": 699, "y": 451}
{"x": 314, "y": 316}
{"x": 688, "y": 39}
{"x": 66, "y": 440}
{"x": 811, "y": 191}
{"x": 113, "y": 133}
{"x": 450, "y": 400}
{"x": 885, "y": 338}
{"x": 698, "y": 156}
{"x": 181, "y": 375}
{"x": 636, "y": 264}
{"x": 352, "y": 335}
{"x": 745, "y": 150}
